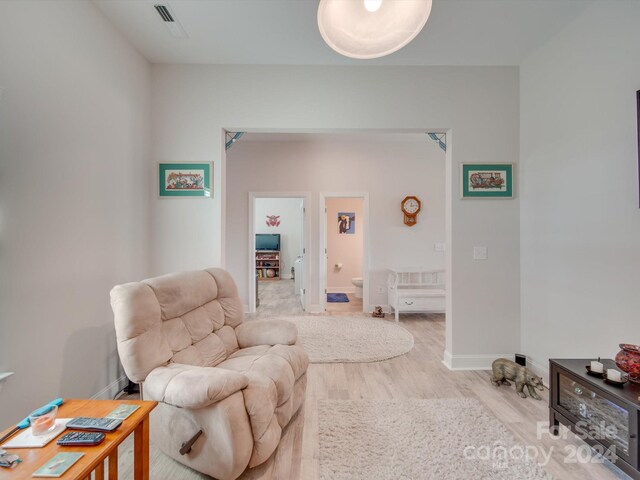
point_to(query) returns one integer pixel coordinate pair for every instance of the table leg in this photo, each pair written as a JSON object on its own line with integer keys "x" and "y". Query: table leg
{"x": 141, "y": 451}
{"x": 113, "y": 465}
{"x": 99, "y": 472}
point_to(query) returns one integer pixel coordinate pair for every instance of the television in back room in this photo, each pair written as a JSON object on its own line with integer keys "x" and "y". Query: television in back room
{"x": 267, "y": 241}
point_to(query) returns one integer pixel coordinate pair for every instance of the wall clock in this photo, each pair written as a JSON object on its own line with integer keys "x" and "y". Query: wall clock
{"x": 411, "y": 206}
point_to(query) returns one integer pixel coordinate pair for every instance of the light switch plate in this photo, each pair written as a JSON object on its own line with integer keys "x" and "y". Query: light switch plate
{"x": 439, "y": 247}
{"x": 480, "y": 253}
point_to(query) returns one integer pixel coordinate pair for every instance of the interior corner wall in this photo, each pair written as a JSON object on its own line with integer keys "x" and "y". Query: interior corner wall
{"x": 74, "y": 198}
{"x": 580, "y": 221}
{"x": 345, "y": 251}
{"x": 193, "y": 103}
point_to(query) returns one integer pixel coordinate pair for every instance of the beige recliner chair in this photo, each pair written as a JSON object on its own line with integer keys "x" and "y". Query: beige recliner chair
{"x": 182, "y": 336}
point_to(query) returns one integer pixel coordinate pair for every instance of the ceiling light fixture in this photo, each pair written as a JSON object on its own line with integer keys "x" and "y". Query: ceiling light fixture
{"x": 366, "y": 29}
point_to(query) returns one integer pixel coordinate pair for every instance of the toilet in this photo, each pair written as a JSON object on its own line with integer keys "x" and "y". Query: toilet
{"x": 357, "y": 281}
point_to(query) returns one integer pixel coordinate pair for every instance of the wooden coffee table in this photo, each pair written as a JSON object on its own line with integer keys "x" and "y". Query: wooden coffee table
{"x": 94, "y": 456}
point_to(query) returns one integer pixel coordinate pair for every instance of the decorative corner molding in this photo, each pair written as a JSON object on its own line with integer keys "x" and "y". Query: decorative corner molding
{"x": 5, "y": 375}
{"x": 440, "y": 139}
{"x": 231, "y": 138}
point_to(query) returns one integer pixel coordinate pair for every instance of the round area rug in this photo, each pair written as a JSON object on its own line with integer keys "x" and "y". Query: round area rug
{"x": 329, "y": 339}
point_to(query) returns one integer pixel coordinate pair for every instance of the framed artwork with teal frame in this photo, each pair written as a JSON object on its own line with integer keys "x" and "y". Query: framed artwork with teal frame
{"x": 184, "y": 180}
{"x": 487, "y": 180}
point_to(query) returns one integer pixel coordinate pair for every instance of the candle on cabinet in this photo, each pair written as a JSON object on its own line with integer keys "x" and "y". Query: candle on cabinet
{"x": 597, "y": 367}
{"x": 614, "y": 375}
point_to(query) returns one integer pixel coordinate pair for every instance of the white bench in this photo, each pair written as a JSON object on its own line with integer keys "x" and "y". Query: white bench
{"x": 416, "y": 290}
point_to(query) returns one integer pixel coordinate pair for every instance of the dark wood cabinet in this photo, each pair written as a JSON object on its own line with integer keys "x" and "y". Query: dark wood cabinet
{"x": 603, "y": 415}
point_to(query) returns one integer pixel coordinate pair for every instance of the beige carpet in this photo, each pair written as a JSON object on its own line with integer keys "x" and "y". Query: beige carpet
{"x": 331, "y": 339}
{"x": 417, "y": 439}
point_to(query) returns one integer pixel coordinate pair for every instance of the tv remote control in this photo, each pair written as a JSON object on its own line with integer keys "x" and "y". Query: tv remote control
{"x": 95, "y": 424}
{"x": 81, "y": 438}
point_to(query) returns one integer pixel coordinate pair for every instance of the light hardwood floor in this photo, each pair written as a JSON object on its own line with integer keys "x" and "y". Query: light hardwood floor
{"x": 418, "y": 374}
{"x": 354, "y": 305}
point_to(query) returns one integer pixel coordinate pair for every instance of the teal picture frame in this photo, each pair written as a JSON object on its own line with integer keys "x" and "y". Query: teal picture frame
{"x": 185, "y": 180}
{"x": 487, "y": 180}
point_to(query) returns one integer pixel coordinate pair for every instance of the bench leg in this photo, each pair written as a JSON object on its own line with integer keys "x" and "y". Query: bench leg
{"x": 397, "y": 315}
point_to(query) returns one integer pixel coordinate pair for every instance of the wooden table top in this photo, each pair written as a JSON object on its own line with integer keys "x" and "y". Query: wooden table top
{"x": 34, "y": 458}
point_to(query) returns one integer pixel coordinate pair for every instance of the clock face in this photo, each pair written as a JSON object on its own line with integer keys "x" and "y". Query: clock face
{"x": 411, "y": 206}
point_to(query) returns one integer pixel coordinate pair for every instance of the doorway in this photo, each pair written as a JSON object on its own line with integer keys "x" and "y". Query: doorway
{"x": 344, "y": 255}
{"x": 277, "y": 252}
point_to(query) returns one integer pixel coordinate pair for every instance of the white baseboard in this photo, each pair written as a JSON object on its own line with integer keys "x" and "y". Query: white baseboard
{"x": 350, "y": 289}
{"x": 481, "y": 361}
{"x": 385, "y": 308}
{"x": 111, "y": 390}
{"x": 538, "y": 369}
{"x": 314, "y": 309}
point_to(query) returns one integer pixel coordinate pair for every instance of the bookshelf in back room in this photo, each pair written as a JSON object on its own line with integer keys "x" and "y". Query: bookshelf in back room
{"x": 268, "y": 264}
{"x": 268, "y": 259}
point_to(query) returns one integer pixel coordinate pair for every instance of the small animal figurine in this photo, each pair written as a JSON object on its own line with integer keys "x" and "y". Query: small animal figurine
{"x": 377, "y": 313}
{"x": 505, "y": 370}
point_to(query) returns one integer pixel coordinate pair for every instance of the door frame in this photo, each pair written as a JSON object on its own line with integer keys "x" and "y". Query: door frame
{"x": 253, "y": 196}
{"x": 322, "y": 252}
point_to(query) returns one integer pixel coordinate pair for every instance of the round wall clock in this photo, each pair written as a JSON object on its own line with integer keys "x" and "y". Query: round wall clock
{"x": 411, "y": 206}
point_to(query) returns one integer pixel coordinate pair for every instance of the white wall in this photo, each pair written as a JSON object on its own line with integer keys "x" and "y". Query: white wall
{"x": 389, "y": 170}
{"x": 580, "y": 222}
{"x": 75, "y": 184}
{"x": 290, "y": 228}
{"x": 347, "y": 249}
{"x": 193, "y": 103}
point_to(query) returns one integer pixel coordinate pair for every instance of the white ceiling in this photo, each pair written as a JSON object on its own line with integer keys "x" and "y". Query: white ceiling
{"x": 284, "y": 32}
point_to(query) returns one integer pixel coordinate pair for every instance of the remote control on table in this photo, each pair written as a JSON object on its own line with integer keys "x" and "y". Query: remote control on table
{"x": 95, "y": 424}
{"x": 81, "y": 438}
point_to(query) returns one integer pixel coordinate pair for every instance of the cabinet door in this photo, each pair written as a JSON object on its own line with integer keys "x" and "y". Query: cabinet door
{"x": 597, "y": 415}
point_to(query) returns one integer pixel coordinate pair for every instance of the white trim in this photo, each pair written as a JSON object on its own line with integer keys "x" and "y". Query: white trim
{"x": 306, "y": 202}
{"x": 385, "y": 308}
{"x": 5, "y": 375}
{"x": 322, "y": 259}
{"x": 480, "y": 361}
{"x": 350, "y": 289}
{"x": 447, "y": 360}
{"x": 111, "y": 390}
{"x": 314, "y": 309}
{"x": 286, "y": 276}
{"x": 540, "y": 370}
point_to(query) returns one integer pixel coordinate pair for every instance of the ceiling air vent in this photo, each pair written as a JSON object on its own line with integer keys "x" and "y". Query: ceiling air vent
{"x": 164, "y": 13}
{"x": 170, "y": 21}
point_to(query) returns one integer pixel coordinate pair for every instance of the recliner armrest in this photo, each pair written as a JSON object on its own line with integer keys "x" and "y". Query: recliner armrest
{"x": 266, "y": 332}
{"x": 188, "y": 386}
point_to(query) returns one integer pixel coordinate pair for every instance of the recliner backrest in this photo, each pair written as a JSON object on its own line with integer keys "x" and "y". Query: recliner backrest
{"x": 186, "y": 317}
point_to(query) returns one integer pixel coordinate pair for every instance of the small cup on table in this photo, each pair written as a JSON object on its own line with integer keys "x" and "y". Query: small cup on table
{"x": 44, "y": 422}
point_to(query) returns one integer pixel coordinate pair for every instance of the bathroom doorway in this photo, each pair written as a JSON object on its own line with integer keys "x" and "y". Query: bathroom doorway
{"x": 344, "y": 252}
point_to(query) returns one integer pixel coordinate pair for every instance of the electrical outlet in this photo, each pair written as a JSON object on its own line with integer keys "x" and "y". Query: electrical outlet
{"x": 480, "y": 253}
{"x": 380, "y": 289}
{"x": 439, "y": 247}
